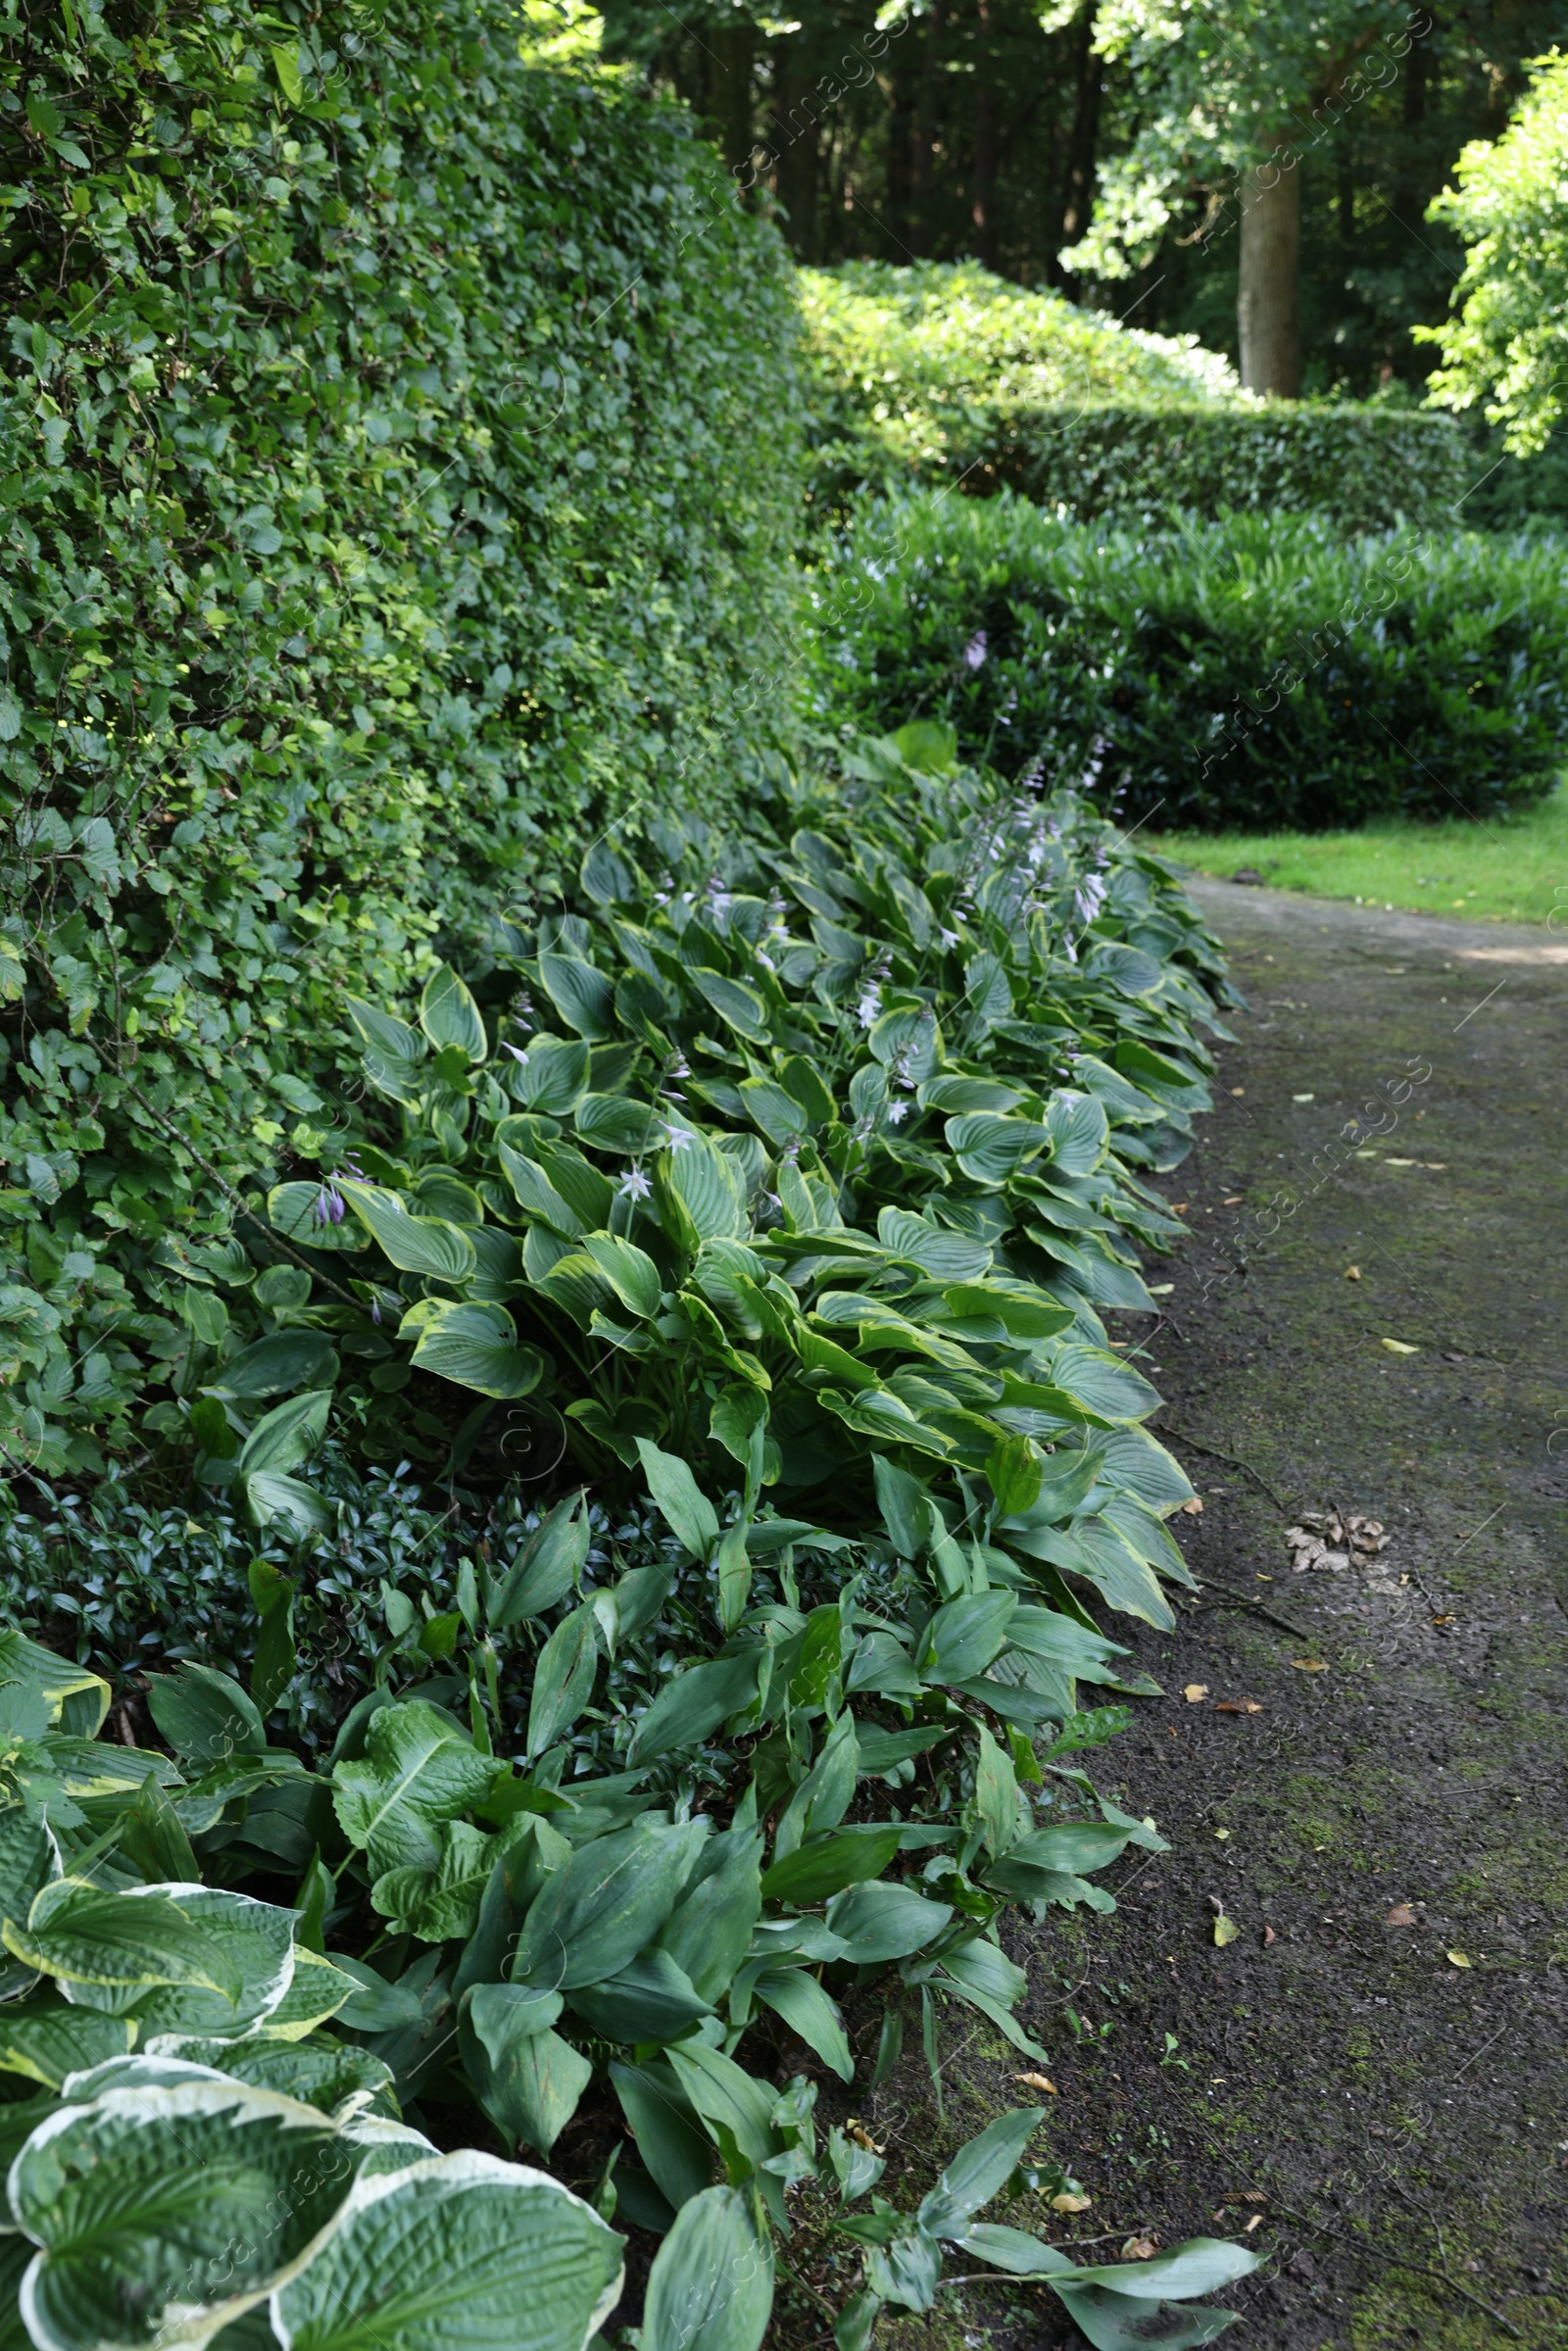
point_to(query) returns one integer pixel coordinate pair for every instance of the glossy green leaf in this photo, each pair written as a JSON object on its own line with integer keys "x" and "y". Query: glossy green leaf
{"x": 562, "y": 1680}
{"x": 685, "y": 1508}
{"x": 422, "y": 1245}
{"x": 278, "y": 1365}
{"x": 449, "y": 1016}
{"x": 546, "y": 1567}
{"x": 711, "y": 2287}
{"x": 476, "y": 1347}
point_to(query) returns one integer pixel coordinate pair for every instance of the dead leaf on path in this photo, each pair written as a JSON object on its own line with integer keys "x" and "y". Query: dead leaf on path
{"x": 1443, "y": 1620}
{"x": 1401, "y": 1162}
{"x": 1194, "y": 1506}
{"x": 1458, "y": 1959}
{"x": 1196, "y": 1693}
{"x": 863, "y": 2137}
{"x": 1303, "y": 1097}
{"x": 1037, "y": 2082}
{"x": 1352, "y": 1273}
{"x": 1253, "y": 2195}
{"x": 1161, "y": 1289}
{"x": 1237, "y": 1706}
{"x": 1234, "y": 1202}
{"x": 1222, "y": 1833}
{"x": 1237, "y": 1091}
{"x": 1310, "y": 1665}
{"x": 1256, "y": 2222}
{"x": 1402, "y": 1915}
{"x": 1268, "y": 1937}
{"x": 1226, "y": 1931}
{"x": 1066, "y": 2203}
{"x": 1397, "y": 1346}
{"x": 1138, "y": 2248}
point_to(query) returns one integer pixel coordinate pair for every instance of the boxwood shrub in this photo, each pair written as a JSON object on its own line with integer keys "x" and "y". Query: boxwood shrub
{"x": 1249, "y": 672}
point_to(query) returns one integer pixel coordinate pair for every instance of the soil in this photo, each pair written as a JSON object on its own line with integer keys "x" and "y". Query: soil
{"x": 1380, "y": 2104}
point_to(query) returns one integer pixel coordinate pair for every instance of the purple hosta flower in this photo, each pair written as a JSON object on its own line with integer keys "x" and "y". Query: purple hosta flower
{"x": 681, "y": 1067}
{"x": 1088, "y": 896}
{"x": 327, "y": 1206}
{"x": 516, "y": 1052}
{"x": 947, "y": 937}
{"x": 375, "y": 1312}
{"x": 901, "y": 1070}
{"x": 661, "y": 898}
{"x": 1068, "y": 949}
{"x": 974, "y": 652}
{"x": 634, "y": 1185}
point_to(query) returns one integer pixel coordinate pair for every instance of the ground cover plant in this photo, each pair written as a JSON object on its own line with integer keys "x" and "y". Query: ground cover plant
{"x": 944, "y": 373}
{"x": 1248, "y": 675}
{"x": 381, "y": 494}
{"x": 1501, "y": 869}
{"x": 636, "y": 1792}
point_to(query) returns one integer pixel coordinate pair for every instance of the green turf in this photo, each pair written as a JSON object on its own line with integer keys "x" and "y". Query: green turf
{"x": 1493, "y": 869}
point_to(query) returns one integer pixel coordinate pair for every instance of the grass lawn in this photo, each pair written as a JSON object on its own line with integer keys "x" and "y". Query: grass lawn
{"x": 1495, "y": 870}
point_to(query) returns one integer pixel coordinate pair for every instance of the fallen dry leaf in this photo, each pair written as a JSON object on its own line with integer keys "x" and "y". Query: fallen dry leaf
{"x": 1402, "y": 1915}
{"x": 1138, "y": 2248}
{"x": 1222, "y": 1833}
{"x": 1401, "y": 1162}
{"x": 1237, "y": 1091}
{"x": 863, "y": 2137}
{"x": 1397, "y": 1346}
{"x": 1256, "y": 2222}
{"x": 1196, "y": 1693}
{"x": 1161, "y": 1289}
{"x": 1443, "y": 1620}
{"x": 1194, "y": 1506}
{"x": 1352, "y": 1273}
{"x": 1310, "y": 1665}
{"x": 1226, "y": 1931}
{"x": 1237, "y": 1706}
{"x": 1066, "y": 2203}
{"x": 1458, "y": 1959}
{"x": 1037, "y": 2082}
{"x": 1303, "y": 1097}
{"x": 1268, "y": 1937}
{"x": 1253, "y": 2195}
{"x": 1234, "y": 1200}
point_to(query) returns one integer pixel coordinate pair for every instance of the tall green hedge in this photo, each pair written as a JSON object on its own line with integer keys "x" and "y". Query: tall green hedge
{"x": 944, "y": 373}
{"x": 384, "y": 497}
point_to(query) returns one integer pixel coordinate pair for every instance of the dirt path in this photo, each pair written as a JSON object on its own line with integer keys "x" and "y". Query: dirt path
{"x": 1386, "y": 2101}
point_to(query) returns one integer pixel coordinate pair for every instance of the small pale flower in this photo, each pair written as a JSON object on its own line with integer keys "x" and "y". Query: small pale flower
{"x": 517, "y": 1053}
{"x": 974, "y": 652}
{"x": 949, "y": 938}
{"x": 678, "y": 1138}
{"x": 634, "y": 1185}
{"x": 897, "y": 1112}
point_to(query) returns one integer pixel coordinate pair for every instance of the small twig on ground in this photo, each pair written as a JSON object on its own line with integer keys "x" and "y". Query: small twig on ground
{"x": 1245, "y": 1600}
{"x": 1184, "y": 1437}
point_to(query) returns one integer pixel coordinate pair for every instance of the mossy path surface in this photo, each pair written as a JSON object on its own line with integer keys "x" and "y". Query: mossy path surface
{"x": 1387, "y": 2102}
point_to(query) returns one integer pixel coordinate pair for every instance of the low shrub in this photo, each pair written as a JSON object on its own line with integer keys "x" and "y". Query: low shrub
{"x": 383, "y": 501}
{"x": 944, "y": 373}
{"x": 1244, "y": 674}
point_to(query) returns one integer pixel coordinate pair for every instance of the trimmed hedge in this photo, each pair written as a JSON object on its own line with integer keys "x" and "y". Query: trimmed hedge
{"x": 383, "y": 502}
{"x": 946, "y": 373}
{"x": 1246, "y": 673}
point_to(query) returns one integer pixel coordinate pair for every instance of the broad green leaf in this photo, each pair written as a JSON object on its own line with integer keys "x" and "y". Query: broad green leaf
{"x": 879, "y": 1922}
{"x": 528, "y": 2080}
{"x": 554, "y": 1075}
{"x": 1200, "y": 2265}
{"x": 583, "y": 997}
{"x": 41, "y": 1691}
{"x": 1015, "y": 2250}
{"x": 422, "y": 1244}
{"x": 278, "y": 1365}
{"x": 687, "y": 1511}
{"x": 452, "y": 2254}
{"x": 615, "y": 1122}
{"x": 286, "y": 1436}
{"x": 271, "y": 1497}
{"x": 722, "y": 2092}
{"x": 653, "y": 1999}
{"x": 711, "y": 2287}
{"x": 965, "y": 1635}
{"x": 989, "y": 1148}
{"x": 630, "y": 1272}
{"x": 205, "y": 1716}
{"x": 44, "y": 2038}
{"x": 562, "y": 1680}
{"x": 995, "y": 1794}
{"x": 1096, "y": 1379}
{"x": 906, "y": 1507}
{"x": 1117, "y": 2322}
{"x": 1078, "y": 1132}
{"x": 704, "y": 1185}
{"x": 286, "y": 66}
{"x": 797, "y": 1997}
{"x": 978, "y": 2172}
{"x": 537, "y": 1195}
{"x": 439, "y": 1904}
{"x": 669, "y": 2137}
{"x": 449, "y": 1016}
{"x": 692, "y": 1705}
{"x": 28, "y": 1858}
{"x": 827, "y": 1864}
{"x": 169, "y": 2204}
{"x": 418, "y": 1770}
{"x": 738, "y": 1005}
{"x": 253, "y": 1939}
{"x": 476, "y": 1347}
{"x": 591, "y": 1918}
{"x": 545, "y": 1568}
{"x": 710, "y": 1928}
{"x": 291, "y": 1210}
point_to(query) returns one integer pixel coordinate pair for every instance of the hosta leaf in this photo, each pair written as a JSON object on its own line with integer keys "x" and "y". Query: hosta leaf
{"x": 704, "y": 1185}
{"x": 630, "y": 1272}
{"x": 461, "y": 2252}
{"x": 545, "y": 1568}
{"x": 1101, "y": 1384}
{"x": 418, "y": 1770}
{"x": 685, "y": 1508}
{"x": 564, "y": 1679}
{"x": 278, "y": 1364}
{"x": 109, "y": 1944}
{"x": 256, "y": 1940}
{"x": 965, "y": 1635}
{"x": 287, "y": 1435}
{"x": 476, "y": 1347}
{"x": 880, "y": 1922}
{"x": 1078, "y": 1130}
{"x": 449, "y": 1016}
{"x": 990, "y": 1148}
{"x": 797, "y": 1997}
{"x": 291, "y": 1209}
{"x": 614, "y": 1122}
{"x": 553, "y": 1075}
{"x": 722, "y": 2092}
{"x": 711, "y": 2287}
{"x": 945, "y": 1256}
{"x": 692, "y": 1705}
{"x": 583, "y": 997}
{"x": 44, "y": 2038}
{"x": 653, "y": 1999}
{"x": 169, "y": 2204}
{"x": 40, "y": 1691}
{"x": 422, "y": 1244}
{"x": 738, "y": 1005}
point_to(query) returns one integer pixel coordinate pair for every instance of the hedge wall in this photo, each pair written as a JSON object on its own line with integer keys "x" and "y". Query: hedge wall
{"x": 381, "y": 496}
{"x": 1256, "y": 672}
{"x": 942, "y": 373}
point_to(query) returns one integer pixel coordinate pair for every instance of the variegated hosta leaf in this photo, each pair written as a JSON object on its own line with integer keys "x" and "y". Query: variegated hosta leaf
{"x": 45, "y": 2039}
{"x": 461, "y": 2251}
{"x": 168, "y": 2204}
{"x": 123, "y": 1951}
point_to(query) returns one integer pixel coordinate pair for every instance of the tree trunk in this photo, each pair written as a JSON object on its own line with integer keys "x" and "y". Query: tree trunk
{"x": 1267, "y": 294}
{"x": 987, "y": 138}
{"x": 792, "y": 132}
{"x": 922, "y": 145}
{"x": 1083, "y": 142}
{"x": 728, "y": 110}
